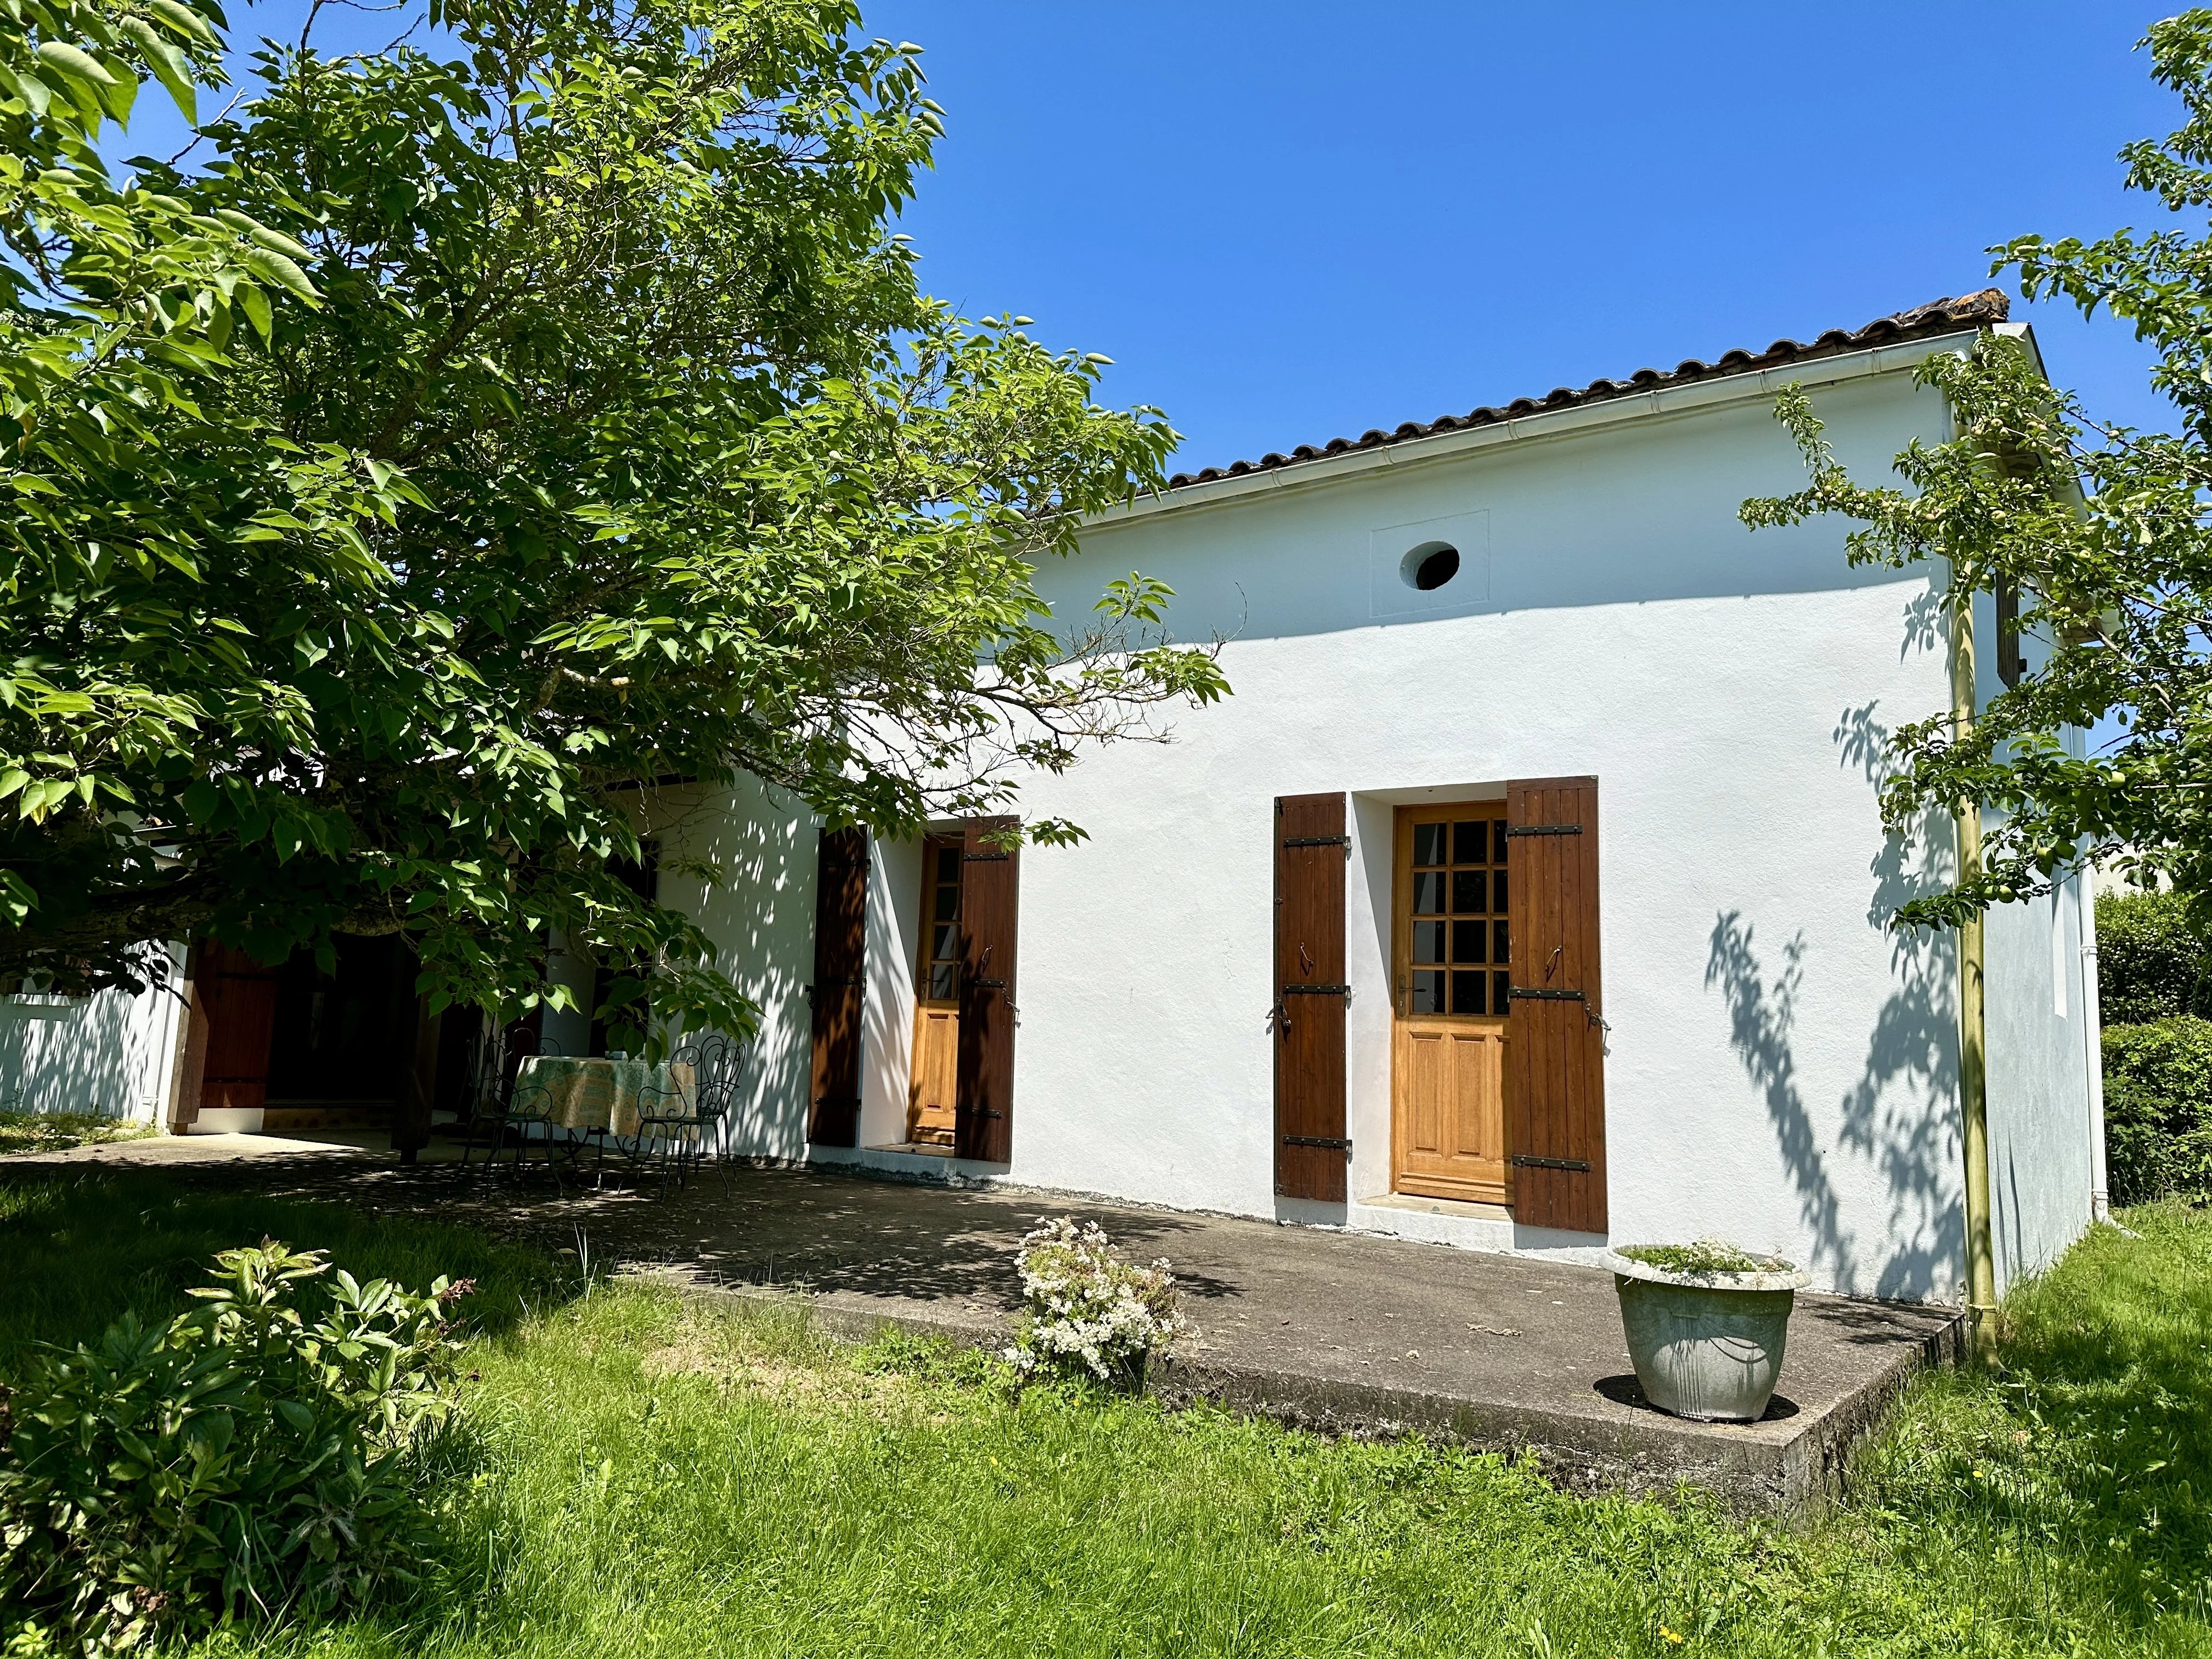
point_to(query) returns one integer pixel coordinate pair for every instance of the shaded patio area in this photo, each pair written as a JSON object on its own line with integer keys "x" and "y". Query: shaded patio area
{"x": 1338, "y": 1331}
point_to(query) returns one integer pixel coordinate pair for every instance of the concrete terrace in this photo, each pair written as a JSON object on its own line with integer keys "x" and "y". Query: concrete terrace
{"x": 1336, "y": 1332}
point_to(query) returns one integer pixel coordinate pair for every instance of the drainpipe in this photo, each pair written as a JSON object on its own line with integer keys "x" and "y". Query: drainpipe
{"x": 2100, "y": 1197}
{"x": 1973, "y": 1052}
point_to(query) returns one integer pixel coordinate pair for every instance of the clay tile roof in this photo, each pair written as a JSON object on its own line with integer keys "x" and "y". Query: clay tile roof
{"x": 1922, "y": 322}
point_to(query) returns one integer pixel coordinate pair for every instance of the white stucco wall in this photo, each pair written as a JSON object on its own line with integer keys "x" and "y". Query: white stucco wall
{"x": 2043, "y": 1043}
{"x": 758, "y": 906}
{"x": 1781, "y": 1067}
{"x": 108, "y": 1055}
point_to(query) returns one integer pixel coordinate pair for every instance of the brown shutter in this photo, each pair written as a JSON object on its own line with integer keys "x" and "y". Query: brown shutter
{"x": 840, "y": 956}
{"x": 1555, "y": 1049}
{"x": 1311, "y": 1152}
{"x": 990, "y": 895}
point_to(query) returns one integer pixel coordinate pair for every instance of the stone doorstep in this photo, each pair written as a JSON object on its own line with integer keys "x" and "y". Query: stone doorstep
{"x": 1791, "y": 1467}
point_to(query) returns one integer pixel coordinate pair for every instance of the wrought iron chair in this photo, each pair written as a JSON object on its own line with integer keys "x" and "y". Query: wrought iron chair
{"x": 690, "y": 1130}
{"x": 503, "y": 1111}
{"x": 489, "y": 1080}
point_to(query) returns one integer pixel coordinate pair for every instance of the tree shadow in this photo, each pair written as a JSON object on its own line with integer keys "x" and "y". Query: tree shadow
{"x": 1899, "y": 1114}
{"x": 85, "y": 1247}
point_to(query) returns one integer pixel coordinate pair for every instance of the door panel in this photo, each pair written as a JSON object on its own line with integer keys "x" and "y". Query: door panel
{"x": 241, "y": 1004}
{"x": 1452, "y": 1143}
{"x": 1451, "y": 941}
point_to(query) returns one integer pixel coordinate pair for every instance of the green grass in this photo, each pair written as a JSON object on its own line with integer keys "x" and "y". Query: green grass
{"x": 54, "y": 1132}
{"x": 651, "y": 1477}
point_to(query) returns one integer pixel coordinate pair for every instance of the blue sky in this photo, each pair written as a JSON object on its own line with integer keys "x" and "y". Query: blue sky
{"x": 1290, "y": 221}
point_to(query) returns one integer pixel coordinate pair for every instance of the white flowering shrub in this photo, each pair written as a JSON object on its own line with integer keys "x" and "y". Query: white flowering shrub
{"x": 1089, "y": 1305}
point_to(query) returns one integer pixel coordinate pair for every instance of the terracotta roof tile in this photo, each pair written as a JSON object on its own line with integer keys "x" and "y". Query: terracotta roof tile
{"x": 1938, "y": 317}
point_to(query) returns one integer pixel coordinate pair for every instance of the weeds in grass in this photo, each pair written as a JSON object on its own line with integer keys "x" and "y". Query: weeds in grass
{"x": 55, "y": 1132}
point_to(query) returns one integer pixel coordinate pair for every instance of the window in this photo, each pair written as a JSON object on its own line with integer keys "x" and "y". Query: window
{"x": 939, "y": 978}
{"x": 1430, "y": 566}
{"x": 1461, "y": 948}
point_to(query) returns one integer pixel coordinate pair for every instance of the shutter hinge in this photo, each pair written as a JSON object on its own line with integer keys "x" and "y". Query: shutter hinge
{"x": 1344, "y": 842}
{"x": 985, "y": 858}
{"x": 1526, "y": 1161}
{"x": 988, "y": 984}
{"x": 1326, "y": 1143}
{"x": 1519, "y": 991}
{"x": 1317, "y": 990}
{"x": 977, "y": 1111}
{"x": 1543, "y": 830}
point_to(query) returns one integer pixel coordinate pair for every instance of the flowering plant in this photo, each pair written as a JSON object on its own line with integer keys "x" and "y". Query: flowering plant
{"x": 1090, "y": 1305}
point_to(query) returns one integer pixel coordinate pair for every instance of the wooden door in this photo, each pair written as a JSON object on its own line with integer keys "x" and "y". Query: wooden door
{"x": 990, "y": 898}
{"x": 1449, "y": 1046}
{"x": 1555, "y": 1099}
{"x": 241, "y": 996}
{"x": 840, "y": 950}
{"x": 933, "y": 1088}
{"x": 1311, "y": 1149}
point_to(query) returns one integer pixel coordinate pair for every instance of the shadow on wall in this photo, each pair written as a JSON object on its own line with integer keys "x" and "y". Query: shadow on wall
{"x": 103, "y": 1055}
{"x": 758, "y": 905}
{"x": 1899, "y": 1115}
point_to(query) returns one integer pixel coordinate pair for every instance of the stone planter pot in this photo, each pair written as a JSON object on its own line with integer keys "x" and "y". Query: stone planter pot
{"x": 1708, "y": 1346}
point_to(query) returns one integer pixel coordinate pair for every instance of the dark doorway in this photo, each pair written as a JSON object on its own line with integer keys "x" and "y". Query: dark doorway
{"x": 343, "y": 1041}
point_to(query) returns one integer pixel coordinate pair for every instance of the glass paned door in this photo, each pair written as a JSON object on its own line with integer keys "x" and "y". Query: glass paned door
{"x": 934, "y": 1080}
{"x": 1449, "y": 1051}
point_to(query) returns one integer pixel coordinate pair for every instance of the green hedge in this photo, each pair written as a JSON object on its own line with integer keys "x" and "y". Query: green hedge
{"x": 2152, "y": 959}
{"x": 2158, "y": 1110}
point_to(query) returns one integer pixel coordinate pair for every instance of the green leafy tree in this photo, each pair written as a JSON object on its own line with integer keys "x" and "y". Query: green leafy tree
{"x": 2101, "y": 529}
{"x": 572, "y": 421}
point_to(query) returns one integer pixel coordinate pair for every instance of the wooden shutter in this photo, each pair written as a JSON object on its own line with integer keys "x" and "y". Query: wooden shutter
{"x": 1555, "y": 1051}
{"x": 841, "y": 959}
{"x": 240, "y": 996}
{"x": 1311, "y": 1152}
{"x": 990, "y": 895}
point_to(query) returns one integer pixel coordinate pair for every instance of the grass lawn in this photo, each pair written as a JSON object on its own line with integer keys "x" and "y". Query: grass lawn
{"x": 52, "y": 1132}
{"x": 652, "y": 1479}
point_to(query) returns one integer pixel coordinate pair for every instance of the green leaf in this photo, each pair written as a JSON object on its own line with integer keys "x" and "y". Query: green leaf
{"x": 185, "y": 20}
{"x": 276, "y": 268}
{"x": 75, "y": 62}
{"x": 168, "y": 66}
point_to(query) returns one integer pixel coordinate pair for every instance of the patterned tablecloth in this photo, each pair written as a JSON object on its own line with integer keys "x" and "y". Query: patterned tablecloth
{"x": 604, "y": 1094}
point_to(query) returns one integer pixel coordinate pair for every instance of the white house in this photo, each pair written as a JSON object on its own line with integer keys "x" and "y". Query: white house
{"x": 1530, "y": 893}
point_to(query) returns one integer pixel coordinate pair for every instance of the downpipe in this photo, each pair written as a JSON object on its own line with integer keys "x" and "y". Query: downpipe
{"x": 1973, "y": 1023}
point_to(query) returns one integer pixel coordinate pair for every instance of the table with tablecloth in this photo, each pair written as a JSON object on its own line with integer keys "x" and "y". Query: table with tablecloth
{"x": 607, "y": 1095}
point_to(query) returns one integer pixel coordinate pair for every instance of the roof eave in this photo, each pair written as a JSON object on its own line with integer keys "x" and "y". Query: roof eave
{"x": 1678, "y": 397}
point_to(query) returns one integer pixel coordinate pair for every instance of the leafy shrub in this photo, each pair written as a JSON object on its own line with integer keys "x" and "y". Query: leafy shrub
{"x": 1089, "y": 1306}
{"x": 2152, "y": 958}
{"x": 247, "y": 1457}
{"x": 2158, "y": 1110}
